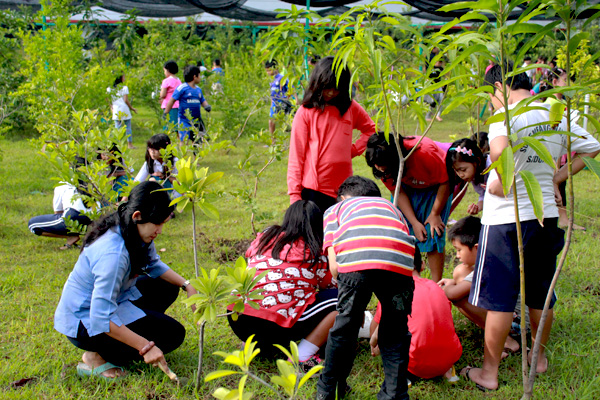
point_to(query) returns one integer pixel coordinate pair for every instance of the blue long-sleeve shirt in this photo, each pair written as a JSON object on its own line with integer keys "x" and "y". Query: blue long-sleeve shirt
{"x": 99, "y": 289}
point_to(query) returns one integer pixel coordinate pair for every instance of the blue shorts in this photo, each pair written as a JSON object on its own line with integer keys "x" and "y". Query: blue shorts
{"x": 496, "y": 282}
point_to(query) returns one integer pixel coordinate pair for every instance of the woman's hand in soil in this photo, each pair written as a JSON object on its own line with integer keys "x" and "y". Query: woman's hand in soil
{"x": 436, "y": 224}
{"x": 155, "y": 356}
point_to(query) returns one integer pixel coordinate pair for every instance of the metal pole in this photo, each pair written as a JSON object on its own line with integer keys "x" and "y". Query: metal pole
{"x": 586, "y": 110}
{"x": 306, "y": 30}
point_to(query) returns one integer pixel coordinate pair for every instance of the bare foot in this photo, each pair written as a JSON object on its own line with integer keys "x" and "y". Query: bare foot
{"x": 511, "y": 346}
{"x": 542, "y": 362}
{"x": 94, "y": 360}
{"x": 439, "y": 118}
{"x": 474, "y": 374}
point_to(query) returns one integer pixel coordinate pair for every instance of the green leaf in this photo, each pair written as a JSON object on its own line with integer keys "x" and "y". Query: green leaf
{"x": 534, "y": 191}
{"x": 310, "y": 373}
{"x": 540, "y": 150}
{"x": 506, "y": 169}
{"x": 390, "y": 42}
{"x": 593, "y": 165}
{"x": 185, "y": 176}
{"x": 182, "y": 205}
{"x": 389, "y": 20}
{"x": 209, "y": 210}
{"x": 575, "y": 40}
{"x": 219, "y": 374}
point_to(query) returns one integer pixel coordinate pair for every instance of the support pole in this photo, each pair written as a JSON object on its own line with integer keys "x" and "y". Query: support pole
{"x": 306, "y": 29}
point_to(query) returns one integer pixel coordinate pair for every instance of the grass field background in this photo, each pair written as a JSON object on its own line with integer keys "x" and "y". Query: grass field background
{"x": 33, "y": 272}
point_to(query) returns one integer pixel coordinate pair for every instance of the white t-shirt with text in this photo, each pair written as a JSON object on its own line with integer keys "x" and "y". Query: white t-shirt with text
{"x": 498, "y": 210}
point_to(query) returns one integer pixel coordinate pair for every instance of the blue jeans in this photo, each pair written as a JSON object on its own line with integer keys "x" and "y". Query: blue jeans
{"x": 127, "y": 123}
{"x": 355, "y": 289}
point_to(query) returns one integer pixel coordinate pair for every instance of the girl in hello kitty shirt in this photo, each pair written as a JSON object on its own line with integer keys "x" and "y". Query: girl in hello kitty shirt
{"x": 300, "y": 295}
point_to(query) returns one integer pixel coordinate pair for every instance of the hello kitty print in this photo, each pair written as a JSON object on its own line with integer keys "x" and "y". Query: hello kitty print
{"x": 289, "y": 286}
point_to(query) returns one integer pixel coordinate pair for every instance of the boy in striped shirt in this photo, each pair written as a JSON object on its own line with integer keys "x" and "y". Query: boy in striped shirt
{"x": 370, "y": 251}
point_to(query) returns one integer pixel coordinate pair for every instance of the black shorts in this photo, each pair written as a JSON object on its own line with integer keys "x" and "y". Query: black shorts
{"x": 268, "y": 333}
{"x": 496, "y": 281}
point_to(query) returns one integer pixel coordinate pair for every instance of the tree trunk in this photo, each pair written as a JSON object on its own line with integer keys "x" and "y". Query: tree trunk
{"x": 200, "y": 355}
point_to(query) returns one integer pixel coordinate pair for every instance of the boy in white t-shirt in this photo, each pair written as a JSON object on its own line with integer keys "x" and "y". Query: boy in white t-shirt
{"x": 496, "y": 281}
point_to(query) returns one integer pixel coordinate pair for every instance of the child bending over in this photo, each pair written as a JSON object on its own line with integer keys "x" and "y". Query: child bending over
{"x": 434, "y": 347}
{"x": 370, "y": 251}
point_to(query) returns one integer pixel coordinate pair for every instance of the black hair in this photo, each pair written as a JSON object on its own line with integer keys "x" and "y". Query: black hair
{"x": 527, "y": 58}
{"x": 82, "y": 186}
{"x": 118, "y": 80}
{"x": 466, "y": 231}
{"x": 271, "y": 64}
{"x": 357, "y": 186}
{"x": 157, "y": 142}
{"x": 189, "y": 72}
{"x": 383, "y": 154}
{"x": 217, "y": 62}
{"x": 200, "y": 64}
{"x": 555, "y": 73}
{"x": 464, "y": 150}
{"x": 418, "y": 261}
{"x": 482, "y": 140}
{"x": 154, "y": 208}
{"x": 303, "y": 220}
{"x": 172, "y": 67}
{"x": 115, "y": 163}
{"x": 323, "y": 77}
{"x": 519, "y": 81}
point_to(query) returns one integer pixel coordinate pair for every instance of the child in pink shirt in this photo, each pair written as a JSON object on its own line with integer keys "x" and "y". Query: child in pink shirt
{"x": 169, "y": 84}
{"x": 321, "y": 148}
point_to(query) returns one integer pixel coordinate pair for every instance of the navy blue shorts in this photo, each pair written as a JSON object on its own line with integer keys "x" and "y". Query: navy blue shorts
{"x": 496, "y": 280}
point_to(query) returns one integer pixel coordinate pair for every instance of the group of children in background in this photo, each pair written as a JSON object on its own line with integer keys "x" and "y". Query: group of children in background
{"x": 340, "y": 242}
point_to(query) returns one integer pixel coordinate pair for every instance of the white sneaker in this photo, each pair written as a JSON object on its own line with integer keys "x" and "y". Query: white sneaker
{"x": 365, "y": 329}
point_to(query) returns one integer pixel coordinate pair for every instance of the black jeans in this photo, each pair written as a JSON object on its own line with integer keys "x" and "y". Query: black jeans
{"x": 395, "y": 293}
{"x": 164, "y": 331}
{"x": 320, "y": 199}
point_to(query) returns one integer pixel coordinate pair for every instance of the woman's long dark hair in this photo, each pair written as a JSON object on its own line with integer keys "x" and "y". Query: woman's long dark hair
{"x": 322, "y": 78}
{"x": 157, "y": 142}
{"x": 465, "y": 150}
{"x": 154, "y": 207}
{"x": 118, "y": 80}
{"x": 383, "y": 154}
{"x": 302, "y": 220}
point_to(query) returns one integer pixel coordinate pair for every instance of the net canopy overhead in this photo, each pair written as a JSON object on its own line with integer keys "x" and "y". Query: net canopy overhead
{"x": 243, "y": 10}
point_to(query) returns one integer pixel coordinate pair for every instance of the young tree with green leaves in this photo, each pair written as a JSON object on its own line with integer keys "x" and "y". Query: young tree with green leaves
{"x": 526, "y": 139}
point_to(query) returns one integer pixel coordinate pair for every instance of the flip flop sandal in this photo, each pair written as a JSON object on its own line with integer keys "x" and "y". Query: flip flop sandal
{"x": 85, "y": 370}
{"x": 465, "y": 372}
{"x": 68, "y": 246}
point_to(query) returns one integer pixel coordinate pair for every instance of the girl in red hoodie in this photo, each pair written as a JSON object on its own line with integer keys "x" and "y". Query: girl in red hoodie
{"x": 321, "y": 148}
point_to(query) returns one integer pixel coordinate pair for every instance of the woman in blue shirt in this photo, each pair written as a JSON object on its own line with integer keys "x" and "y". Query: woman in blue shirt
{"x": 113, "y": 303}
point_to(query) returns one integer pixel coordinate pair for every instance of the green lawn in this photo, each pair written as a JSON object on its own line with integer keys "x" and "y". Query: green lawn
{"x": 34, "y": 270}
